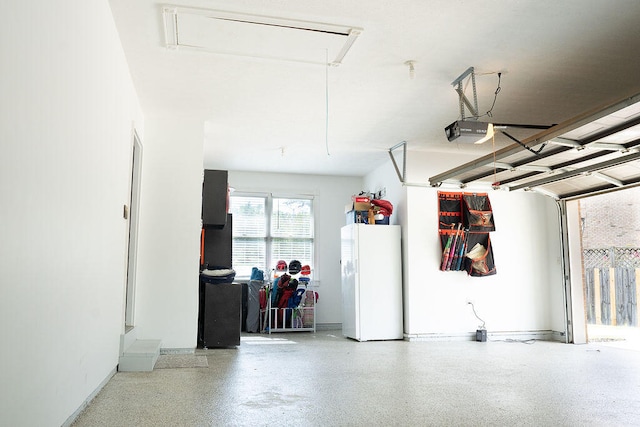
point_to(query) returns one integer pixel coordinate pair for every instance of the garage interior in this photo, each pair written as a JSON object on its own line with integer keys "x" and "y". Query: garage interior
{"x": 113, "y": 109}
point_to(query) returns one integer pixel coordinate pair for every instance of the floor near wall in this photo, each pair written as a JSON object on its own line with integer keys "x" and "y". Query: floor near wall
{"x": 323, "y": 379}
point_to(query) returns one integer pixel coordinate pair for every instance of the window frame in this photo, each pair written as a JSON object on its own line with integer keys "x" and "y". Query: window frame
{"x": 269, "y": 237}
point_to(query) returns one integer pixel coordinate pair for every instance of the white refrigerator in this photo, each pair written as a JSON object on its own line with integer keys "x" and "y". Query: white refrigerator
{"x": 371, "y": 282}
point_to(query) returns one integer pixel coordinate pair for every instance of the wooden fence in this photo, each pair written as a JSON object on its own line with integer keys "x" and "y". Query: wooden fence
{"x": 612, "y": 285}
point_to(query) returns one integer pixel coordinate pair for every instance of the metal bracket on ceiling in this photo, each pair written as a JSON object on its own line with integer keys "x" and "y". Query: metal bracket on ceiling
{"x": 603, "y": 177}
{"x": 457, "y": 84}
{"x": 401, "y": 176}
{"x": 543, "y": 192}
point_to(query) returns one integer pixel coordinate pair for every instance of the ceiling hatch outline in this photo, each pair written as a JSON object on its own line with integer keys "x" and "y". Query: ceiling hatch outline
{"x": 257, "y": 36}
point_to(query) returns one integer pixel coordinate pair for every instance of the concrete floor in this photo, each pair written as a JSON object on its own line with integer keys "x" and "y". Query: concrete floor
{"x": 323, "y": 379}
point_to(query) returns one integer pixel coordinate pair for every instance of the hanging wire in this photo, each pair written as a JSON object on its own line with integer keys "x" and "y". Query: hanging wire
{"x": 495, "y": 97}
{"x": 536, "y": 152}
{"x": 493, "y": 147}
{"x": 489, "y": 112}
{"x": 326, "y": 101}
{"x": 476, "y": 314}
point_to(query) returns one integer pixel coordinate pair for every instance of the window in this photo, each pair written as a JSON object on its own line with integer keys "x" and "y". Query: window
{"x": 267, "y": 229}
{"x": 249, "y": 233}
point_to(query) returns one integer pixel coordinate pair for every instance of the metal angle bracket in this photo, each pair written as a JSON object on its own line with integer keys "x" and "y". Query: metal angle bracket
{"x": 401, "y": 175}
{"x": 457, "y": 84}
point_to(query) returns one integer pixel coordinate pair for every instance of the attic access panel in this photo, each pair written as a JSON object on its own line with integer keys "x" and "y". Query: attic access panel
{"x": 595, "y": 152}
{"x": 256, "y": 36}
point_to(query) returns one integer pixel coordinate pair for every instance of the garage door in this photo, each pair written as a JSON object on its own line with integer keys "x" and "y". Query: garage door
{"x": 596, "y": 152}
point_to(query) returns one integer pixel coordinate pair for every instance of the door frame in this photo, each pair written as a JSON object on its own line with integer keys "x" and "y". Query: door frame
{"x": 573, "y": 273}
{"x": 132, "y": 241}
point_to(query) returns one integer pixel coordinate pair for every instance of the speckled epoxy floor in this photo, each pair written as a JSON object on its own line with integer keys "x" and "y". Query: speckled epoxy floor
{"x": 323, "y": 379}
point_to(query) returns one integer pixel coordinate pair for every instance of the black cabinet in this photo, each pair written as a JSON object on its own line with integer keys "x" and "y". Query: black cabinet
{"x": 218, "y": 245}
{"x": 222, "y": 315}
{"x": 214, "y": 198}
{"x": 220, "y": 304}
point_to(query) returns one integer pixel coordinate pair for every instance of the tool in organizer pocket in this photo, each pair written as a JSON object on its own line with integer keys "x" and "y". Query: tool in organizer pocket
{"x": 454, "y": 247}
{"x": 446, "y": 253}
{"x": 478, "y": 215}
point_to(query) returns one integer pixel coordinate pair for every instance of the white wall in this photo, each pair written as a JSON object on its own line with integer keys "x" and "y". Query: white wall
{"x": 526, "y": 293}
{"x": 331, "y": 194}
{"x": 68, "y": 110}
{"x": 169, "y": 233}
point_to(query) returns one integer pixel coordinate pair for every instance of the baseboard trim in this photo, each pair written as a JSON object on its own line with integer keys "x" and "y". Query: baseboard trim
{"x": 540, "y": 335}
{"x": 88, "y": 400}
{"x": 328, "y": 326}
{"x": 439, "y": 337}
{"x": 558, "y": 336}
{"x": 177, "y": 350}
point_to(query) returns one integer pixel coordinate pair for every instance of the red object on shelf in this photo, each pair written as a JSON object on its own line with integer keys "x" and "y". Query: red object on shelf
{"x": 386, "y": 208}
{"x": 360, "y": 199}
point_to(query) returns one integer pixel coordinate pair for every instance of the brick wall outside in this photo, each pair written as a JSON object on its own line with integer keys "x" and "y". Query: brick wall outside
{"x": 611, "y": 220}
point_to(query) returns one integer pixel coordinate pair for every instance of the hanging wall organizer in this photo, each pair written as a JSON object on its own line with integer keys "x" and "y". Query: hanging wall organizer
{"x": 465, "y": 220}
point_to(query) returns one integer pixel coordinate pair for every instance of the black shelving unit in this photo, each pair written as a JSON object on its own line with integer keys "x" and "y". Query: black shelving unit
{"x": 214, "y": 198}
{"x": 222, "y": 315}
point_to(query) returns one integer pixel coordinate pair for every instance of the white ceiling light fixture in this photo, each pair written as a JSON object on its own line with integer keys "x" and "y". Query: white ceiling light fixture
{"x": 412, "y": 69}
{"x": 256, "y": 36}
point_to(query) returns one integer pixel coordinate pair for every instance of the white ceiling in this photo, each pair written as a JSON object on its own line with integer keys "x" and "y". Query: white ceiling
{"x": 557, "y": 59}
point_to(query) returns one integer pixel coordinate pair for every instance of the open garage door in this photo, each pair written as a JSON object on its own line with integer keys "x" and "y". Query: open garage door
{"x": 596, "y": 152}
{"x": 610, "y": 226}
